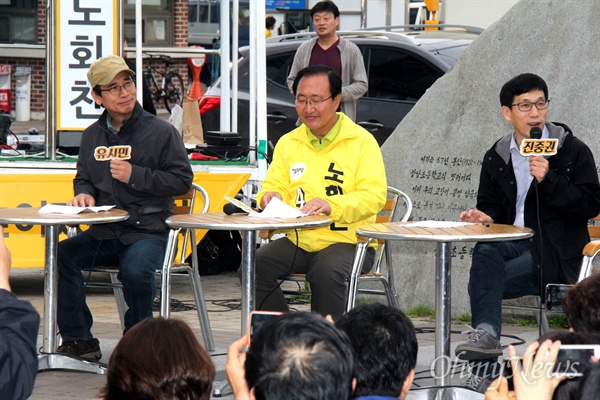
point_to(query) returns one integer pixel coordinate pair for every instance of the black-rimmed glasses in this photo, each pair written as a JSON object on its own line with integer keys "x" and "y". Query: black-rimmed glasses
{"x": 527, "y": 106}
{"x": 116, "y": 90}
{"x": 313, "y": 101}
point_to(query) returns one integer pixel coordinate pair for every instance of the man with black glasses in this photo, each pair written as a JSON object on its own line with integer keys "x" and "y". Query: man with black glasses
{"x": 553, "y": 195}
{"x": 328, "y": 165}
{"x": 136, "y": 161}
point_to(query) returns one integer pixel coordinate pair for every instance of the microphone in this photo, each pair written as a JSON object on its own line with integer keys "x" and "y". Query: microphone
{"x": 535, "y": 133}
{"x": 536, "y": 146}
{"x": 232, "y": 209}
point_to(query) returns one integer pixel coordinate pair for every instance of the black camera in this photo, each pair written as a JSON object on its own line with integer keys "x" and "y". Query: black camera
{"x": 5, "y": 122}
{"x": 555, "y": 295}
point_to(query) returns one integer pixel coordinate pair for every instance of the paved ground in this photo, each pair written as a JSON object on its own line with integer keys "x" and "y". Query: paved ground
{"x": 222, "y": 293}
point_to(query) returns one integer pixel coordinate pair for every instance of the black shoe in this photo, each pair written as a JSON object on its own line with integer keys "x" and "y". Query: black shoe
{"x": 86, "y": 349}
{"x": 481, "y": 345}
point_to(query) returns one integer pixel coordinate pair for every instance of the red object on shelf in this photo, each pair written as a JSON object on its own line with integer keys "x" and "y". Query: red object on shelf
{"x": 201, "y": 157}
{"x": 5, "y": 95}
{"x": 196, "y": 92}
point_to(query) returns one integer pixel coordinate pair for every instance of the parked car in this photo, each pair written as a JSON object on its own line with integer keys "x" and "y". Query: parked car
{"x": 400, "y": 66}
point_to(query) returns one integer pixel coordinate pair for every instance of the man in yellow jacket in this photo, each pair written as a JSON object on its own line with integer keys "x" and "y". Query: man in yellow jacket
{"x": 329, "y": 165}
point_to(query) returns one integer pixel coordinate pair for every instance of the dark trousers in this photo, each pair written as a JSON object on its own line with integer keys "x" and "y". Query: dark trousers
{"x": 137, "y": 265}
{"x": 327, "y": 271}
{"x": 499, "y": 270}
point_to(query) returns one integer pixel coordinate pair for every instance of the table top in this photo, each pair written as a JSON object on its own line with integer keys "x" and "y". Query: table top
{"x": 466, "y": 233}
{"x": 242, "y": 222}
{"x": 29, "y": 215}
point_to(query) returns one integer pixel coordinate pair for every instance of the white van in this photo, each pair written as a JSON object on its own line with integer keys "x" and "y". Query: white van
{"x": 203, "y": 22}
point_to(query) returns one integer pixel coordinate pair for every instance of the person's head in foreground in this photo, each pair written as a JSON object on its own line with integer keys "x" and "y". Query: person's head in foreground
{"x": 582, "y": 305}
{"x": 161, "y": 359}
{"x": 385, "y": 349}
{"x": 299, "y": 356}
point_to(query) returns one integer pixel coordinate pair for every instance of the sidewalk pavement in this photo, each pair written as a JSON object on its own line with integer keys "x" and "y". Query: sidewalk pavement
{"x": 222, "y": 293}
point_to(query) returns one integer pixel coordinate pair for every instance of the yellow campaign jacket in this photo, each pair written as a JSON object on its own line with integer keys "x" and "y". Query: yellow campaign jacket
{"x": 349, "y": 174}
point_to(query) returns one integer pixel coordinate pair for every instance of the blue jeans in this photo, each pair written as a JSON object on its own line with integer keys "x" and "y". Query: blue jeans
{"x": 137, "y": 264}
{"x": 499, "y": 270}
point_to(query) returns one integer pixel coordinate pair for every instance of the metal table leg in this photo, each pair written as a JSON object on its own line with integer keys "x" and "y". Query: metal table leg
{"x": 49, "y": 359}
{"x": 442, "y": 314}
{"x": 248, "y": 263}
{"x": 248, "y": 289}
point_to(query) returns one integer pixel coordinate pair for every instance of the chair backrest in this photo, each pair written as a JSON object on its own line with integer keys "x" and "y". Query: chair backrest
{"x": 184, "y": 204}
{"x": 389, "y": 213}
{"x": 591, "y": 250}
{"x": 594, "y": 230}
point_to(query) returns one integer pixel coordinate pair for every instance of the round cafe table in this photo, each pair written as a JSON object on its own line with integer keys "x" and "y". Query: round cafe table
{"x": 249, "y": 226}
{"x": 444, "y": 233}
{"x": 48, "y": 358}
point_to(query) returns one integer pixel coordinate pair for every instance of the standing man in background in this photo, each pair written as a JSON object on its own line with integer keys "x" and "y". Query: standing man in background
{"x": 329, "y": 49}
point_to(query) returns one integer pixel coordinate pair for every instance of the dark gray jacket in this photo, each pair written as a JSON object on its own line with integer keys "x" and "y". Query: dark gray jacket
{"x": 568, "y": 196}
{"x": 161, "y": 170}
{"x": 19, "y": 324}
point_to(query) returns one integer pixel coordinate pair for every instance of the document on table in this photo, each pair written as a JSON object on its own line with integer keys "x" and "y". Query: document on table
{"x": 70, "y": 210}
{"x": 439, "y": 224}
{"x": 241, "y": 205}
{"x": 278, "y": 209}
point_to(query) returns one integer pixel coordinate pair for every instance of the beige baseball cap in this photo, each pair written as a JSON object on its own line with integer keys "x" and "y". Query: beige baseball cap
{"x": 104, "y": 70}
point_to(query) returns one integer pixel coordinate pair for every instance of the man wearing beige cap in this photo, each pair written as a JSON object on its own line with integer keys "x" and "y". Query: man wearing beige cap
{"x": 136, "y": 161}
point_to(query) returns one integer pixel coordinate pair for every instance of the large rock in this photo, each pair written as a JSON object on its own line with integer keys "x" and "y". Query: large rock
{"x": 435, "y": 154}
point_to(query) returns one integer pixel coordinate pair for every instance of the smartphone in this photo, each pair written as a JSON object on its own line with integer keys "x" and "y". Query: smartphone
{"x": 555, "y": 294}
{"x": 257, "y": 318}
{"x": 572, "y": 359}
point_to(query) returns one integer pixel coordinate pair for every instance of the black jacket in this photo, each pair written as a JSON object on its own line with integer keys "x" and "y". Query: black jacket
{"x": 161, "y": 170}
{"x": 568, "y": 196}
{"x": 19, "y": 324}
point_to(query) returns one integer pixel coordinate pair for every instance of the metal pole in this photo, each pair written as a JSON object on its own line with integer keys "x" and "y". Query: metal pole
{"x": 225, "y": 118}
{"x": 363, "y": 14}
{"x": 50, "y": 290}
{"x": 138, "y": 50}
{"x": 50, "y": 145}
{"x": 442, "y": 314}
{"x": 235, "y": 38}
{"x": 248, "y": 265}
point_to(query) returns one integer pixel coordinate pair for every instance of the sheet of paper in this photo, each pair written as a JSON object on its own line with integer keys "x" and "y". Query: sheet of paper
{"x": 241, "y": 205}
{"x": 69, "y": 210}
{"x": 278, "y": 209}
{"x": 439, "y": 224}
